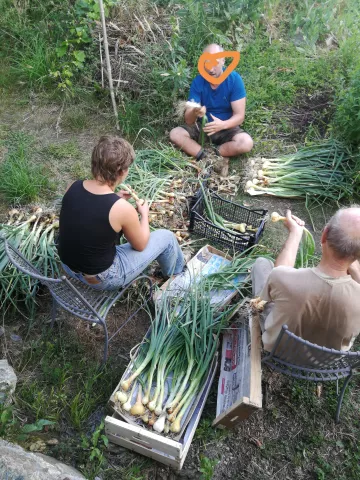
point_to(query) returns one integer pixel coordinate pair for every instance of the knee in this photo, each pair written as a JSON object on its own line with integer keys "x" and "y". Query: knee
{"x": 262, "y": 263}
{"x": 175, "y": 133}
{"x": 165, "y": 235}
{"x": 247, "y": 144}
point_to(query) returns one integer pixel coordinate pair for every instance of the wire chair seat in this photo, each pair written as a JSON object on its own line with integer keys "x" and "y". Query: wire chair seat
{"x": 79, "y": 299}
{"x": 301, "y": 359}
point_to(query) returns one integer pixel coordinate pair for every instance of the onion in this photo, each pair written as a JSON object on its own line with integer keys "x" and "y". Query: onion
{"x": 121, "y": 396}
{"x": 138, "y": 408}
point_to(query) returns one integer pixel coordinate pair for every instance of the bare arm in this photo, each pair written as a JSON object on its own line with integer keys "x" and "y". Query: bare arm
{"x": 238, "y": 116}
{"x": 288, "y": 253}
{"x": 124, "y": 216}
{"x": 354, "y": 271}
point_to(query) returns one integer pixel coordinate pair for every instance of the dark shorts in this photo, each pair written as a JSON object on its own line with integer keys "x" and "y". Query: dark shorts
{"x": 218, "y": 138}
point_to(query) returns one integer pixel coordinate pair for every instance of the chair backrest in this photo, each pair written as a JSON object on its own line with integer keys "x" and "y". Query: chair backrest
{"x": 302, "y": 359}
{"x": 64, "y": 292}
{"x": 23, "y": 264}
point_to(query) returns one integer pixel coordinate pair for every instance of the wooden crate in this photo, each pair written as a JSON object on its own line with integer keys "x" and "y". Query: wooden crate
{"x": 251, "y": 398}
{"x": 207, "y": 260}
{"x": 152, "y": 444}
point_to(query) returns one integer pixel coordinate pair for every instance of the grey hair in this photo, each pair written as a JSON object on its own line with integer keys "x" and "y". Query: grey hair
{"x": 344, "y": 246}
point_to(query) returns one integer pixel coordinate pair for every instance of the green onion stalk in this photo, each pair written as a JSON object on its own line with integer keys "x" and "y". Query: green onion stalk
{"x": 218, "y": 220}
{"x": 323, "y": 171}
{"x": 177, "y": 353}
{"x": 236, "y": 274}
{"x": 204, "y": 121}
{"x": 34, "y": 237}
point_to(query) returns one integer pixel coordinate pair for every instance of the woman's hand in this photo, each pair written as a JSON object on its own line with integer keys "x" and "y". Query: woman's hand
{"x": 143, "y": 209}
{"x": 124, "y": 194}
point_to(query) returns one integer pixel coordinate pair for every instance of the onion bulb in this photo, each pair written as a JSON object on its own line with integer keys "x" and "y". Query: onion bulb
{"x": 175, "y": 426}
{"x": 160, "y": 423}
{"x": 152, "y": 419}
{"x": 121, "y": 397}
{"x": 275, "y": 217}
{"x": 145, "y": 418}
{"x": 138, "y": 408}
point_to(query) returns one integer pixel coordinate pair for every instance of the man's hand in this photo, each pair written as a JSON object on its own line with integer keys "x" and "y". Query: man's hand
{"x": 288, "y": 253}
{"x": 213, "y": 127}
{"x": 354, "y": 271}
{"x": 294, "y": 224}
{"x": 199, "y": 112}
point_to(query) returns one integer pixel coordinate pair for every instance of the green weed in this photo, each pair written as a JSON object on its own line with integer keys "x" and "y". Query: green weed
{"x": 76, "y": 120}
{"x": 22, "y": 180}
{"x": 68, "y": 150}
{"x": 206, "y": 433}
{"x": 95, "y": 446}
{"x": 207, "y": 467}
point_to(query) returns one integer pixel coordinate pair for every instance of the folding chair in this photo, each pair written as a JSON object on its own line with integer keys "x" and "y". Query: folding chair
{"x": 298, "y": 358}
{"x": 74, "y": 296}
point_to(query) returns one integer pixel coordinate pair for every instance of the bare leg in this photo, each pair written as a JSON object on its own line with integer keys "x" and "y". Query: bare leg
{"x": 241, "y": 143}
{"x": 181, "y": 138}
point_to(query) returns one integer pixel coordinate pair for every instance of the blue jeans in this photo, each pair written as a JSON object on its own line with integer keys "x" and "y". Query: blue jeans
{"x": 129, "y": 263}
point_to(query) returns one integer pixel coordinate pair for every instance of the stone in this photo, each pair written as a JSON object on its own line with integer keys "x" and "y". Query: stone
{"x": 17, "y": 463}
{"x": 8, "y": 381}
{"x": 53, "y": 441}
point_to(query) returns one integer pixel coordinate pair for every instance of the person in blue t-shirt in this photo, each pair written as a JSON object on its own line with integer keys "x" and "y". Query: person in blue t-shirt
{"x": 224, "y": 105}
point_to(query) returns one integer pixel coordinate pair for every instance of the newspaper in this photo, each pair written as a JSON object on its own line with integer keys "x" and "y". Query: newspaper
{"x": 206, "y": 261}
{"x": 234, "y": 380}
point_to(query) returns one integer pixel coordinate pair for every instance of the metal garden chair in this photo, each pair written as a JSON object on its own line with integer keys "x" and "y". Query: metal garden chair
{"x": 301, "y": 359}
{"x": 77, "y": 298}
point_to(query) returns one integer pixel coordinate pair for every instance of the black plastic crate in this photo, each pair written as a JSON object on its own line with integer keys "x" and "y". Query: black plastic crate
{"x": 233, "y": 212}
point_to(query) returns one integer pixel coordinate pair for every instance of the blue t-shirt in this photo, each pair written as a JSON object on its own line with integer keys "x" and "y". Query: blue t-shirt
{"x": 218, "y": 101}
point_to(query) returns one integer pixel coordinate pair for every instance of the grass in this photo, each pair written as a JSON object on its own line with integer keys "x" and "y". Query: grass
{"x": 76, "y": 120}
{"x": 23, "y": 181}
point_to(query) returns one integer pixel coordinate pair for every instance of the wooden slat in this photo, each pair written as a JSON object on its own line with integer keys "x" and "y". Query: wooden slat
{"x": 159, "y": 457}
{"x": 255, "y": 359}
{"x": 142, "y": 437}
{"x": 241, "y": 411}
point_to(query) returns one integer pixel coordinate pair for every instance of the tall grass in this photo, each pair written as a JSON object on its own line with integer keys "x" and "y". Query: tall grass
{"x": 22, "y": 180}
{"x": 33, "y": 62}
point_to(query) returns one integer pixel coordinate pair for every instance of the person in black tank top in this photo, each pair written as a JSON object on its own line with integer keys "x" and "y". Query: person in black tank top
{"x": 93, "y": 217}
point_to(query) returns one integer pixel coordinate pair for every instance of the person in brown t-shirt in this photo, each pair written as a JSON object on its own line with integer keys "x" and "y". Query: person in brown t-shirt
{"x": 320, "y": 304}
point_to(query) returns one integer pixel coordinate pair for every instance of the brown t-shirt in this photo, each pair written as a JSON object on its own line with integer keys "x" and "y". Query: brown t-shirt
{"x": 317, "y": 308}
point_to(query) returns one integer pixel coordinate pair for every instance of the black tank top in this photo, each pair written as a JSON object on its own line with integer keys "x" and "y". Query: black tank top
{"x": 86, "y": 238}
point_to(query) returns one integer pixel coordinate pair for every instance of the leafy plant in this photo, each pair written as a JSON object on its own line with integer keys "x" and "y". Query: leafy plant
{"x": 95, "y": 446}
{"x": 207, "y": 467}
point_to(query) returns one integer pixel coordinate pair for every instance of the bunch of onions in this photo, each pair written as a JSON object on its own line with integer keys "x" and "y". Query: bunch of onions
{"x": 174, "y": 361}
{"x": 323, "y": 171}
{"x": 32, "y": 232}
